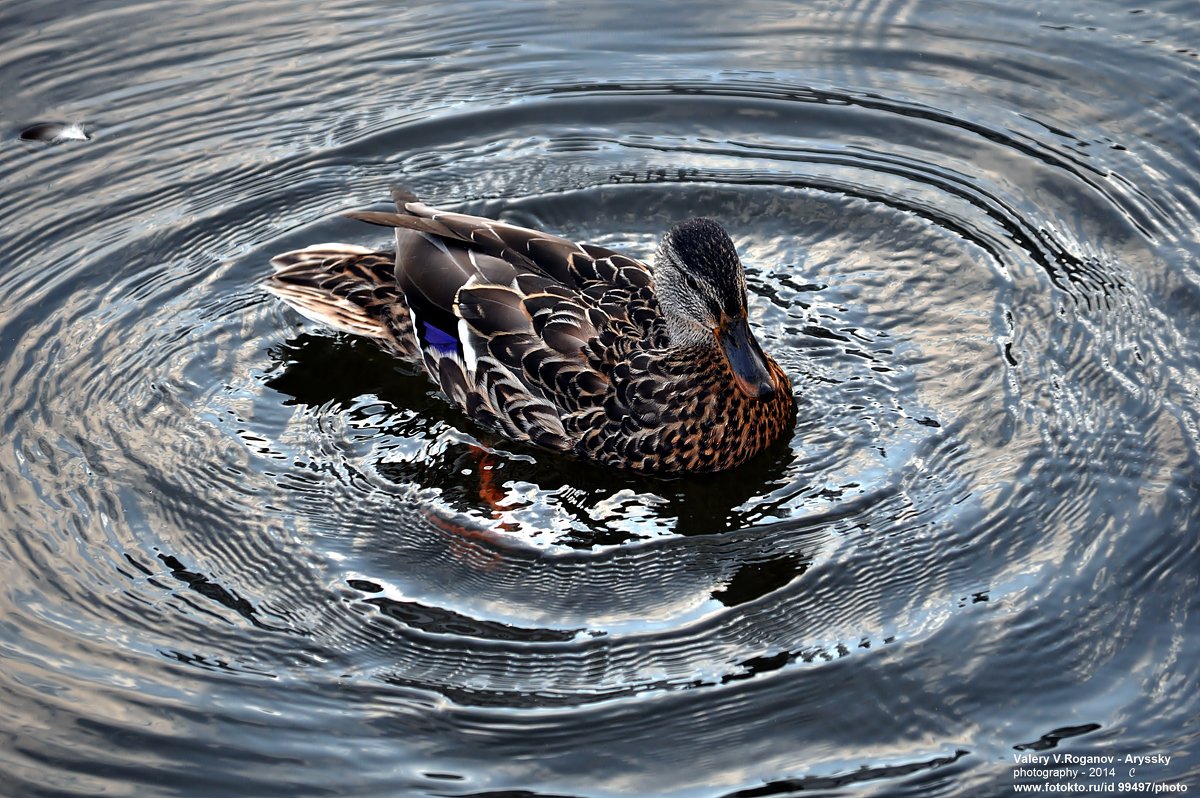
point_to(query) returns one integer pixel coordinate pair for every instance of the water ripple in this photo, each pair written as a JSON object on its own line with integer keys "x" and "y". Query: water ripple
{"x": 267, "y": 559}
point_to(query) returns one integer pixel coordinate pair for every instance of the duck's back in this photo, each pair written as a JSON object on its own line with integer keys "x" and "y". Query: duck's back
{"x": 519, "y": 328}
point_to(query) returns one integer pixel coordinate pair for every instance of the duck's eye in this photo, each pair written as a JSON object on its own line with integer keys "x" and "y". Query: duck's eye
{"x": 692, "y": 282}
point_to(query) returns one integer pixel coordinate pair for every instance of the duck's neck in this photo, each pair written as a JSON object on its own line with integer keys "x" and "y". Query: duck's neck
{"x": 718, "y": 426}
{"x": 703, "y": 369}
{"x": 698, "y": 359}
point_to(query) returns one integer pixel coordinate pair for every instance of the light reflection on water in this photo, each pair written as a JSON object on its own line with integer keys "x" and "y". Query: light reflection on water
{"x": 242, "y": 555}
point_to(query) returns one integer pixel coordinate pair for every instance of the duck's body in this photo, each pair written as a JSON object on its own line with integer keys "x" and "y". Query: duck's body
{"x": 569, "y": 347}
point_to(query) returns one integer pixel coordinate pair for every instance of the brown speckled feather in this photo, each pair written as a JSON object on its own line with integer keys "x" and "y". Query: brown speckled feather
{"x": 347, "y": 287}
{"x": 548, "y": 342}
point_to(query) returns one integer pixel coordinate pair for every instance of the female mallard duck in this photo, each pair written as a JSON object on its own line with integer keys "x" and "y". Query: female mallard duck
{"x": 566, "y": 346}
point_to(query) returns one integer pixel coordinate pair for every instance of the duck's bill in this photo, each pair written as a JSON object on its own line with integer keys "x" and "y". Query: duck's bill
{"x": 746, "y": 360}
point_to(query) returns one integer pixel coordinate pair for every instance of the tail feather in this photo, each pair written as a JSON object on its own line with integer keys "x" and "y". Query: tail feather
{"x": 316, "y": 254}
{"x": 341, "y": 285}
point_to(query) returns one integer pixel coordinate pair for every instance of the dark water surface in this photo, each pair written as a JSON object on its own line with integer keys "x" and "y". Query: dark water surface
{"x": 241, "y": 555}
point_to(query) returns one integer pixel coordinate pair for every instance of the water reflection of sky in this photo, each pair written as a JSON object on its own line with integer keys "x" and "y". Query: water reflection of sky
{"x": 244, "y": 556}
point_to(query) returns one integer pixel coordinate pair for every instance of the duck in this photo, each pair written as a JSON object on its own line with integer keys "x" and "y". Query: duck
{"x": 567, "y": 347}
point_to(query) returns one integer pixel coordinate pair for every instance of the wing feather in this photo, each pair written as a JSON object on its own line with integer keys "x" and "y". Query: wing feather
{"x": 522, "y": 329}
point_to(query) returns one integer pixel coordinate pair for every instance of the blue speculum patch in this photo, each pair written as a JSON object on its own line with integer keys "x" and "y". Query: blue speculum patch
{"x": 439, "y": 339}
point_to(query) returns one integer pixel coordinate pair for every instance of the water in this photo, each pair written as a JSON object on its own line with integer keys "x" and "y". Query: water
{"x": 242, "y": 555}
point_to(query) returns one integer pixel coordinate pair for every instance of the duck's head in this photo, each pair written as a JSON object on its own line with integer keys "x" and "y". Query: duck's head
{"x": 701, "y": 289}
